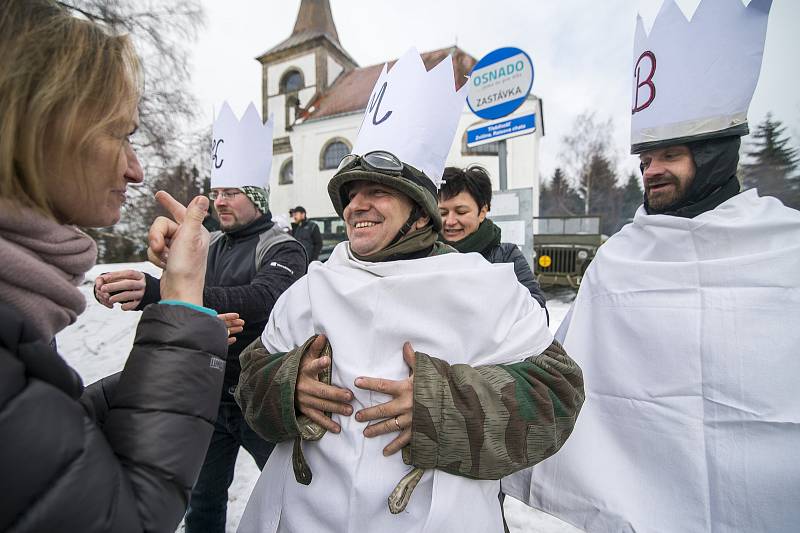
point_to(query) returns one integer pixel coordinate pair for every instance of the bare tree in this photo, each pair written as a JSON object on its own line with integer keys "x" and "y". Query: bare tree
{"x": 162, "y": 32}
{"x": 590, "y": 137}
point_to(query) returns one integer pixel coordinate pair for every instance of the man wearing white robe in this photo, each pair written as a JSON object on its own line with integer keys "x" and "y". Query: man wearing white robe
{"x": 687, "y": 330}
{"x": 398, "y": 342}
{"x": 687, "y": 326}
{"x": 493, "y": 394}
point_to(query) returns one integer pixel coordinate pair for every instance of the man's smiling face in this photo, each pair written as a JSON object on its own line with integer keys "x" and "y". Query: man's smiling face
{"x": 667, "y": 174}
{"x": 374, "y": 215}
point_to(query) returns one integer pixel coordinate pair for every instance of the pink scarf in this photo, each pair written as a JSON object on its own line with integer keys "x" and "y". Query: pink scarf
{"x": 43, "y": 262}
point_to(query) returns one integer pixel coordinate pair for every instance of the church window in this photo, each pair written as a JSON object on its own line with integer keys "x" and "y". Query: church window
{"x": 286, "y": 175}
{"x": 332, "y": 153}
{"x": 292, "y": 82}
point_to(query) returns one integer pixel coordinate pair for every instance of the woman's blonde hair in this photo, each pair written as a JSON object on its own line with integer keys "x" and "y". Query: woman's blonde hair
{"x": 63, "y": 80}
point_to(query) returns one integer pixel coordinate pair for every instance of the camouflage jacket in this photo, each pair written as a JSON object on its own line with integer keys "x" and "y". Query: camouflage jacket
{"x": 481, "y": 422}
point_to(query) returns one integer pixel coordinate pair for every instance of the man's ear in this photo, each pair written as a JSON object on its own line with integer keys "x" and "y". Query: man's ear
{"x": 422, "y": 222}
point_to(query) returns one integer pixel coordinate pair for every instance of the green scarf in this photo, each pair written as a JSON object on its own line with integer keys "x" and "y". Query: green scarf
{"x": 486, "y": 236}
{"x": 413, "y": 245}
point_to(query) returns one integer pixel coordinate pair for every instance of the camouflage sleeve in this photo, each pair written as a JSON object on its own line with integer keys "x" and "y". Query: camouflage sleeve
{"x": 266, "y": 390}
{"x": 487, "y": 422}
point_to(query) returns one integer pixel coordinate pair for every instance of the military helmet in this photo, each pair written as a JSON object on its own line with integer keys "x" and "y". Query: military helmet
{"x": 386, "y": 169}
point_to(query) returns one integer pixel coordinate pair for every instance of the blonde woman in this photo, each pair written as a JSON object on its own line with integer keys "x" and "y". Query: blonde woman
{"x": 96, "y": 460}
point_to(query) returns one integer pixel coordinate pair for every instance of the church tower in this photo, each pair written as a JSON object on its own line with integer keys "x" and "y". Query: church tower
{"x": 301, "y": 67}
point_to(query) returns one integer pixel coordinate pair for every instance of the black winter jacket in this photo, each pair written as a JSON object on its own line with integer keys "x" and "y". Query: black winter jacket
{"x": 234, "y": 285}
{"x": 77, "y": 464}
{"x": 507, "y": 252}
{"x": 307, "y": 233}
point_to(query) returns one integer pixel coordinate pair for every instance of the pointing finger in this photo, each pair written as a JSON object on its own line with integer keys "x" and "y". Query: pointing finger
{"x": 173, "y": 206}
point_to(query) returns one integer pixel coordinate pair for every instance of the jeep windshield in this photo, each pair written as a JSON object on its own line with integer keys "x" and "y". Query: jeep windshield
{"x": 566, "y": 226}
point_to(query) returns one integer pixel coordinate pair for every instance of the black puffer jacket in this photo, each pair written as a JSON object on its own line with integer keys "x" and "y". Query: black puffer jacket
{"x": 507, "y": 252}
{"x": 77, "y": 464}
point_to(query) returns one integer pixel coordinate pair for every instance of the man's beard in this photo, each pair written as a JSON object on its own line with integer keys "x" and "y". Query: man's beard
{"x": 228, "y": 227}
{"x": 661, "y": 201}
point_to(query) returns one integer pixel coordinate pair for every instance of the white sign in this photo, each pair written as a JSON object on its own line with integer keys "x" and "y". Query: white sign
{"x": 500, "y": 82}
{"x": 504, "y": 205}
{"x": 512, "y": 231}
{"x": 505, "y": 128}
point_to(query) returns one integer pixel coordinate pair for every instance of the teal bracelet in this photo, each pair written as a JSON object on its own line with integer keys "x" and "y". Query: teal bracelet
{"x": 190, "y": 306}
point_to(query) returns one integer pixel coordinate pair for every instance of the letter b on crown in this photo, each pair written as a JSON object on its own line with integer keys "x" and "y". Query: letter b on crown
{"x": 647, "y": 58}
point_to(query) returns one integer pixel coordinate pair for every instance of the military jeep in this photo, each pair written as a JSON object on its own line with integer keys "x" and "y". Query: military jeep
{"x": 563, "y": 247}
{"x": 332, "y": 232}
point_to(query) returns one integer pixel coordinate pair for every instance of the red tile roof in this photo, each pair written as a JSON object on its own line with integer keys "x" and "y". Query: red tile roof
{"x": 351, "y": 90}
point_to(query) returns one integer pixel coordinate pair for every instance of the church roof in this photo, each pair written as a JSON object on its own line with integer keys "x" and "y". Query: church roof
{"x": 314, "y": 21}
{"x": 350, "y": 92}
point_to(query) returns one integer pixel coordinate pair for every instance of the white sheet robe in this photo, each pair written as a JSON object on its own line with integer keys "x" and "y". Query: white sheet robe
{"x": 688, "y": 333}
{"x": 457, "y": 307}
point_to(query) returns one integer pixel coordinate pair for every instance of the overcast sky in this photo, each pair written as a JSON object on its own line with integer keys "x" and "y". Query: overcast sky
{"x": 581, "y": 50}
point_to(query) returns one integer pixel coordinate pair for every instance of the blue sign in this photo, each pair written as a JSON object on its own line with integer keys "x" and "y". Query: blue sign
{"x": 501, "y": 82}
{"x": 522, "y": 125}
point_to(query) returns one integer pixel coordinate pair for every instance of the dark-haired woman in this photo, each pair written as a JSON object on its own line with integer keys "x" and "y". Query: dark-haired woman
{"x": 464, "y": 200}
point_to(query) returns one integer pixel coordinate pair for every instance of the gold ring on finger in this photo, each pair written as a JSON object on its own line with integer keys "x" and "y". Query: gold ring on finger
{"x": 397, "y": 423}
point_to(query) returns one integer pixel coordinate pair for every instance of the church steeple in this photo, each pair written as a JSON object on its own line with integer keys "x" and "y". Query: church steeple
{"x": 314, "y": 18}
{"x": 301, "y": 67}
{"x": 314, "y": 27}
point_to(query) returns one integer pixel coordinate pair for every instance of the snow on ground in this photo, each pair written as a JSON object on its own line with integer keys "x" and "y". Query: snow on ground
{"x": 99, "y": 342}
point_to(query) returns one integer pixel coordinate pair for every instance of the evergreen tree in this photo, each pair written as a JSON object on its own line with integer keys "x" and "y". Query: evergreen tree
{"x": 772, "y": 164}
{"x": 559, "y": 198}
{"x": 589, "y": 163}
{"x": 606, "y": 197}
{"x": 632, "y": 198}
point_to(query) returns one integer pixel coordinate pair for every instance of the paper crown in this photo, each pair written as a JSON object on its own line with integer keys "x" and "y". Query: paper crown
{"x": 694, "y": 80}
{"x": 241, "y": 150}
{"x": 413, "y": 114}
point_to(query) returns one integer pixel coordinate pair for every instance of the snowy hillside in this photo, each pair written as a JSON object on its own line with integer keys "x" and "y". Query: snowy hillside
{"x": 99, "y": 342}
